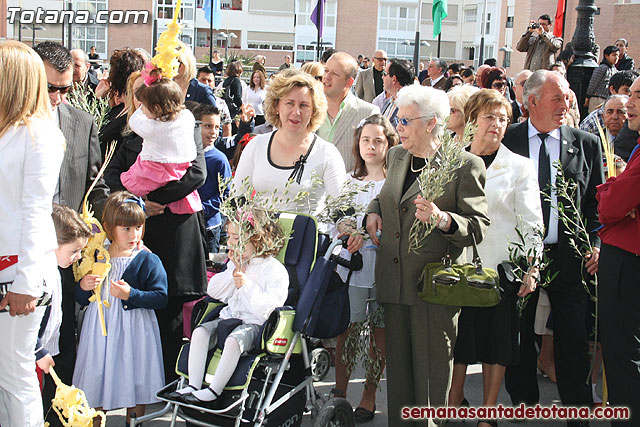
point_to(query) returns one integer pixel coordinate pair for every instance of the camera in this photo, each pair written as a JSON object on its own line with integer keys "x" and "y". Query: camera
{"x": 534, "y": 25}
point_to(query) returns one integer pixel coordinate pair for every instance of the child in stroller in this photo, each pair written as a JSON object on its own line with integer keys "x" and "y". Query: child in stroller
{"x": 253, "y": 285}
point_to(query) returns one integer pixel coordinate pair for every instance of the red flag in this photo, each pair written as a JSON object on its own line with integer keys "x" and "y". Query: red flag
{"x": 557, "y": 28}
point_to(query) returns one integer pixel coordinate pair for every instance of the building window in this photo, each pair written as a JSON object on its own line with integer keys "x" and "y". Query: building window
{"x": 509, "y": 22}
{"x": 305, "y": 7}
{"x": 470, "y": 15}
{"x": 270, "y": 40}
{"x": 202, "y": 39}
{"x": 469, "y": 53}
{"x": 452, "y": 12}
{"x": 85, "y": 36}
{"x": 395, "y": 48}
{"x": 488, "y": 24}
{"x": 397, "y": 18}
{"x": 488, "y": 52}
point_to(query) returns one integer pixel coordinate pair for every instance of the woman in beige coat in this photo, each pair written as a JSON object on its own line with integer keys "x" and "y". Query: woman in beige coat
{"x": 420, "y": 336}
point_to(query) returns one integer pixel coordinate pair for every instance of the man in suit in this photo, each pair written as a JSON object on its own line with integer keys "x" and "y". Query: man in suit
{"x": 80, "y": 165}
{"x": 369, "y": 82}
{"x": 435, "y": 70}
{"x": 398, "y": 74}
{"x": 81, "y": 74}
{"x": 345, "y": 110}
{"x": 517, "y": 109}
{"x": 546, "y": 139}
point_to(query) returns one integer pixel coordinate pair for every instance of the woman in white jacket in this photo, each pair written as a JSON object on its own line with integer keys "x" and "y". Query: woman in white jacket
{"x": 31, "y": 151}
{"x": 487, "y": 334}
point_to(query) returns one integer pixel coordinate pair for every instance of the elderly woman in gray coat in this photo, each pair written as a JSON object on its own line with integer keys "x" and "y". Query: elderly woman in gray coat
{"x": 420, "y": 336}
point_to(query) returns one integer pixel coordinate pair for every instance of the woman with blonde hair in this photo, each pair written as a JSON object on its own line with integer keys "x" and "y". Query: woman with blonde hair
{"x": 458, "y": 97}
{"x": 295, "y": 104}
{"x": 31, "y": 151}
{"x": 192, "y": 89}
{"x": 316, "y": 69}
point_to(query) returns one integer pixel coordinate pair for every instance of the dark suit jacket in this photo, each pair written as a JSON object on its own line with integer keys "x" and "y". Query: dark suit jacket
{"x": 581, "y": 158}
{"x": 398, "y": 272}
{"x": 625, "y": 142}
{"x": 442, "y": 83}
{"x": 515, "y": 110}
{"x": 82, "y": 160}
{"x": 91, "y": 81}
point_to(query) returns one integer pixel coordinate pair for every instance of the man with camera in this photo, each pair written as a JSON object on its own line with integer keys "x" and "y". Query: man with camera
{"x": 540, "y": 44}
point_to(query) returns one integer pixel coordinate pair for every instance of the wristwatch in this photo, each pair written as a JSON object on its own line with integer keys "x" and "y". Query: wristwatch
{"x": 443, "y": 221}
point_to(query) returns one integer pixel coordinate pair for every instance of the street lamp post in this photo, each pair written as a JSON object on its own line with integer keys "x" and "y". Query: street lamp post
{"x": 506, "y": 61}
{"x": 482, "y": 31}
{"x": 320, "y": 47}
{"x": 579, "y": 72}
{"x": 33, "y": 29}
{"x": 226, "y": 36}
{"x": 416, "y": 50}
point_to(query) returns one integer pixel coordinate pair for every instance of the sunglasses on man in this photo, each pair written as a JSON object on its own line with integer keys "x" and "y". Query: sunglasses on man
{"x": 62, "y": 89}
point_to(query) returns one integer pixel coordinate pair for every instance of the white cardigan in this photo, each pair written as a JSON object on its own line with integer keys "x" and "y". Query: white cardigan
{"x": 514, "y": 199}
{"x": 30, "y": 159}
{"x": 266, "y": 290}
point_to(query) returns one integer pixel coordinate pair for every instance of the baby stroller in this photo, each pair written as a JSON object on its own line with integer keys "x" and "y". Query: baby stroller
{"x": 273, "y": 385}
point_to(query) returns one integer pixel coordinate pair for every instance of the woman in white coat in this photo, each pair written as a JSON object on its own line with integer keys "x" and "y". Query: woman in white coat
{"x": 489, "y": 335}
{"x": 31, "y": 151}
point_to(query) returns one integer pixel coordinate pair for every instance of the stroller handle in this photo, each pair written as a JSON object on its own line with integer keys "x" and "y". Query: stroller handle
{"x": 354, "y": 264}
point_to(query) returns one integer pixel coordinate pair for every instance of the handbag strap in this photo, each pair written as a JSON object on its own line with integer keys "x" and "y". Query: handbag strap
{"x": 477, "y": 261}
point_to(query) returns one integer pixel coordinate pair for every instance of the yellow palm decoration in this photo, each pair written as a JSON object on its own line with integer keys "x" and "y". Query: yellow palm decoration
{"x": 608, "y": 152}
{"x": 169, "y": 47}
{"x": 95, "y": 257}
{"x": 72, "y": 407}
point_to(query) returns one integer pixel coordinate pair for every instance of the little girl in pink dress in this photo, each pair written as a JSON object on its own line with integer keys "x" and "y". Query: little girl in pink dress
{"x": 168, "y": 148}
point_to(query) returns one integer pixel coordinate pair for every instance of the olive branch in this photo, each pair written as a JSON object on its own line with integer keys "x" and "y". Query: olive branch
{"x": 84, "y": 99}
{"x": 525, "y": 255}
{"x": 360, "y": 341}
{"x": 439, "y": 170}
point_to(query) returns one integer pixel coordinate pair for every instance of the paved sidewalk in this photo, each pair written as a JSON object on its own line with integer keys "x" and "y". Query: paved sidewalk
{"x": 473, "y": 393}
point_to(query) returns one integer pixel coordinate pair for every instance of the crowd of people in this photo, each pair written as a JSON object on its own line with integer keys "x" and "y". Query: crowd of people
{"x": 171, "y": 140}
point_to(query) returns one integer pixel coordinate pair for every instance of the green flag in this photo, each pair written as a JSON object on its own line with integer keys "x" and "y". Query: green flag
{"x": 438, "y": 13}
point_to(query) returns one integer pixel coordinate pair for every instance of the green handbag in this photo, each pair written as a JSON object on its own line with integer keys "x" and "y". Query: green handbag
{"x": 468, "y": 285}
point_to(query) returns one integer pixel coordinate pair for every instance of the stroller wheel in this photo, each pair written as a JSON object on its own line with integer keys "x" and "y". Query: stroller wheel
{"x": 337, "y": 412}
{"x": 320, "y": 363}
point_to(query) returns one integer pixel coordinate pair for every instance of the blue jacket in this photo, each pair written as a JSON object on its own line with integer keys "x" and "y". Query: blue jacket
{"x": 217, "y": 163}
{"x": 200, "y": 92}
{"x": 148, "y": 280}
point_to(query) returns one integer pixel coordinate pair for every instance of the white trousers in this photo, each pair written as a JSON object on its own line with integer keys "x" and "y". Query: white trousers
{"x": 20, "y": 399}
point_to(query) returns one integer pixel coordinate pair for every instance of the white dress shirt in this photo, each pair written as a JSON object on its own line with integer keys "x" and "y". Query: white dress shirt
{"x": 436, "y": 80}
{"x": 553, "y": 147}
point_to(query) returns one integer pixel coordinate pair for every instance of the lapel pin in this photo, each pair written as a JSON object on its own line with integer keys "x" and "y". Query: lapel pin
{"x": 570, "y": 150}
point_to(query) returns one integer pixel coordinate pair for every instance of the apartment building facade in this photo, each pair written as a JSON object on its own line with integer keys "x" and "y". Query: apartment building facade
{"x": 276, "y": 28}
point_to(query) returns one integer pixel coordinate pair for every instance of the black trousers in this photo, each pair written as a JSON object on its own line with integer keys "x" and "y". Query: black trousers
{"x": 66, "y": 359}
{"x": 570, "y": 345}
{"x": 619, "y": 301}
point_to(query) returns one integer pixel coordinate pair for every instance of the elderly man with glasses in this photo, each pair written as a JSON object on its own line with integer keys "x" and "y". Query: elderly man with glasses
{"x": 369, "y": 82}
